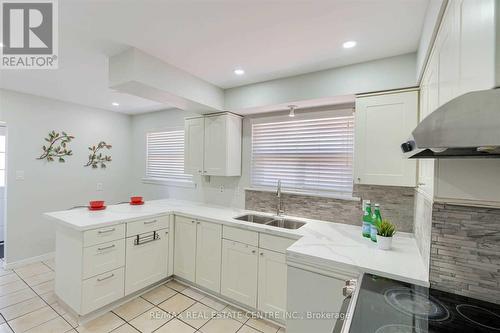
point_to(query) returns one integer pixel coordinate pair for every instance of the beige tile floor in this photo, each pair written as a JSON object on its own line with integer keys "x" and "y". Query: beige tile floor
{"x": 28, "y": 304}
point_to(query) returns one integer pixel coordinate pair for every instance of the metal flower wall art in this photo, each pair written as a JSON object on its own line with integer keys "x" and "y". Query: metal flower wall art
{"x": 96, "y": 157}
{"x": 57, "y": 147}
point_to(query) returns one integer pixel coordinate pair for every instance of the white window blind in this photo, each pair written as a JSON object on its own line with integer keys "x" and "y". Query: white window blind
{"x": 312, "y": 155}
{"x": 165, "y": 156}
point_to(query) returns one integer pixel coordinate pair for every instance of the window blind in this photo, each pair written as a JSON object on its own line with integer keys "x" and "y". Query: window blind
{"x": 312, "y": 155}
{"x": 165, "y": 156}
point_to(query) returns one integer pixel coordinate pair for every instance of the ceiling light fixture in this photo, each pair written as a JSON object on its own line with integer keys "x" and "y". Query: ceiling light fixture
{"x": 292, "y": 110}
{"x": 349, "y": 44}
{"x": 1, "y": 45}
{"x": 115, "y": 104}
{"x": 239, "y": 71}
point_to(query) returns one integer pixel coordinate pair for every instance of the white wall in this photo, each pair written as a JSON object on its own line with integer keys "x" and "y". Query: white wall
{"x": 383, "y": 74}
{"x": 56, "y": 186}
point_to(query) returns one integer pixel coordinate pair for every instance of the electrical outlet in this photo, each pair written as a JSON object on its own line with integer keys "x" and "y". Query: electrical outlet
{"x": 100, "y": 187}
{"x": 19, "y": 175}
{"x": 221, "y": 188}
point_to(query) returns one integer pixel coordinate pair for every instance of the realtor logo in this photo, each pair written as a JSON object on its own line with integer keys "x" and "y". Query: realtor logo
{"x": 29, "y": 34}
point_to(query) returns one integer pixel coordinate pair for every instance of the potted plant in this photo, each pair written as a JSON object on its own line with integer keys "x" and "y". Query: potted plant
{"x": 385, "y": 232}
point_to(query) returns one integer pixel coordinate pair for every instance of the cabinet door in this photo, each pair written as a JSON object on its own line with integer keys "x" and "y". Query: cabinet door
{"x": 185, "y": 248}
{"x": 315, "y": 293}
{"x": 239, "y": 272}
{"x": 145, "y": 263}
{"x": 194, "y": 133}
{"x": 272, "y": 282}
{"x": 215, "y": 145}
{"x": 208, "y": 255}
{"x": 383, "y": 122}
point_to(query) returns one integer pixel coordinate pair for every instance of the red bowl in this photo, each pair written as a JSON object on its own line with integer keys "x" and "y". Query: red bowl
{"x": 96, "y": 204}
{"x": 136, "y": 199}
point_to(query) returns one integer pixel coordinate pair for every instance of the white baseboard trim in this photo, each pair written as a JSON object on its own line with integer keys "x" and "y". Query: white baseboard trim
{"x": 15, "y": 264}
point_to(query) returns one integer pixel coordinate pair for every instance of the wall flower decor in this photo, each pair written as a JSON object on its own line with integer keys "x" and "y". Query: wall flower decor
{"x": 57, "y": 148}
{"x": 96, "y": 158}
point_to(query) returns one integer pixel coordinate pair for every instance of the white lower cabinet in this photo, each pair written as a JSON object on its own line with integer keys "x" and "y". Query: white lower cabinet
{"x": 208, "y": 254}
{"x": 102, "y": 290}
{"x": 146, "y": 260}
{"x": 239, "y": 272}
{"x": 272, "y": 282}
{"x": 315, "y": 293}
{"x": 185, "y": 248}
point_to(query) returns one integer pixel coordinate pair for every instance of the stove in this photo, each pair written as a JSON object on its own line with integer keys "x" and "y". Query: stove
{"x": 388, "y": 306}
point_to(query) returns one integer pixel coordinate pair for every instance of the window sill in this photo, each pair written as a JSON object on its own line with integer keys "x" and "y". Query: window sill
{"x": 309, "y": 194}
{"x": 169, "y": 182}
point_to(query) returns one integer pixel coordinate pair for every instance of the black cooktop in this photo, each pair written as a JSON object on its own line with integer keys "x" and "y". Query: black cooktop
{"x": 389, "y": 306}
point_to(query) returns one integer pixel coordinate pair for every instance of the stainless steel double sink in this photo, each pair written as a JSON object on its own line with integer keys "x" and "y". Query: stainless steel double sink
{"x": 271, "y": 221}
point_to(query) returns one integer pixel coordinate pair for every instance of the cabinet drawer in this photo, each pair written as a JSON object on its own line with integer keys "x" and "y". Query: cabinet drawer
{"x": 102, "y": 258}
{"x": 275, "y": 243}
{"x": 102, "y": 290}
{"x": 240, "y": 235}
{"x": 103, "y": 235}
{"x": 147, "y": 225}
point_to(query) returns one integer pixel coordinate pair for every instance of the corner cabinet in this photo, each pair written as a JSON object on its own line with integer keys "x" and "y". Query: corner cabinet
{"x": 383, "y": 122}
{"x": 213, "y": 145}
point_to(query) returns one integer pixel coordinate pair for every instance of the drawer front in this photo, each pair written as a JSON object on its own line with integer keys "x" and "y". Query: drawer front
{"x": 275, "y": 243}
{"x": 103, "y": 235}
{"x": 241, "y": 235}
{"x": 147, "y": 225}
{"x": 102, "y": 290}
{"x": 103, "y": 258}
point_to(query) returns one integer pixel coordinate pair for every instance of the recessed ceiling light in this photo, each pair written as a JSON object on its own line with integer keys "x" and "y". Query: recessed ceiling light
{"x": 115, "y": 104}
{"x": 349, "y": 44}
{"x": 239, "y": 71}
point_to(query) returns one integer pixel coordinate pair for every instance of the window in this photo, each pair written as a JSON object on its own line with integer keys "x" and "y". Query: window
{"x": 310, "y": 155}
{"x": 165, "y": 157}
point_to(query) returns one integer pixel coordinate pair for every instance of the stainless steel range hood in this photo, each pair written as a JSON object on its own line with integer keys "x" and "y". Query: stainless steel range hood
{"x": 465, "y": 127}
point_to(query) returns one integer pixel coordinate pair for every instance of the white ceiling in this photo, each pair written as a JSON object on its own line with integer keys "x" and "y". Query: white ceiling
{"x": 269, "y": 39}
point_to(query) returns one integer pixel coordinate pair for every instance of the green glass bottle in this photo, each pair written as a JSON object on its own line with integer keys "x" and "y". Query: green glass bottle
{"x": 376, "y": 220}
{"x": 367, "y": 220}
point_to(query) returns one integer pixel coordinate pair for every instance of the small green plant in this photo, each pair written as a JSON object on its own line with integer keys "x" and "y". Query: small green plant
{"x": 96, "y": 158}
{"x": 386, "y": 229}
{"x": 57, "y": 148}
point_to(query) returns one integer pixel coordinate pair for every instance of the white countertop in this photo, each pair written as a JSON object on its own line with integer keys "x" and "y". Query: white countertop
{"x": 322, "y": 244}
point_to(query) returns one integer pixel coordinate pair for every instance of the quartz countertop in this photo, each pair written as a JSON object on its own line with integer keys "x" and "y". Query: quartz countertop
{"x": 319, "y": 243}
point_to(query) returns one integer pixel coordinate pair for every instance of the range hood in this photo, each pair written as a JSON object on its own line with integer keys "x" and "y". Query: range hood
{"x": 468, "y": 126}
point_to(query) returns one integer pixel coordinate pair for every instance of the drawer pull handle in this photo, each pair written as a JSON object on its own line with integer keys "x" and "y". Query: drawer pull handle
{"x": 105, "y": 278}
{"x": 146, "y": 239}
{"x": 106, "y": 247}
{"x": 106, "y": 231}
{"x": 150, "y": 222}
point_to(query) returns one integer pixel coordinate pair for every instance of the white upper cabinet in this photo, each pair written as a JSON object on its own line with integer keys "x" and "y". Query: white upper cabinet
{"x": 383, "y": 122}
{"x": 194, "y": 129}
{"x": 213, "y": 145}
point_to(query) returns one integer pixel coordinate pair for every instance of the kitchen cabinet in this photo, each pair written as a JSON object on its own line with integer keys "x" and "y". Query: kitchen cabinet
{"x": 194, "y": 129}
{"x": 239, "y": 272}
{"x": 185, "y": 248}
{"x": 213, "y": 145}
{"x": 146, "y": 259}
{"x": 272, "y": 282}
{"x": 383, "y": 122}
{"x": 208, "y": 255}
{"x": 316, "y": 292}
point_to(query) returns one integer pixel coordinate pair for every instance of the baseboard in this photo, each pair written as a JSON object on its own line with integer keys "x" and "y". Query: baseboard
{"x": 15, "y": 264}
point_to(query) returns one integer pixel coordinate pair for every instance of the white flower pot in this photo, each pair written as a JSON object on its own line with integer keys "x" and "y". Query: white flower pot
{"x": 384, "y": 243}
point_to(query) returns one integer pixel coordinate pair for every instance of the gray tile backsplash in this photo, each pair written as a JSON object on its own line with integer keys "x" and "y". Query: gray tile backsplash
{"x": 465, "y": 251}
{"x": 396, "y": 204}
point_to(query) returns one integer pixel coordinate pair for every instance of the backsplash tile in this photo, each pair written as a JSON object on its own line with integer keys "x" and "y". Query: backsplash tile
{"x": 396, "y": 204}
{"x": 465, "y": 251}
